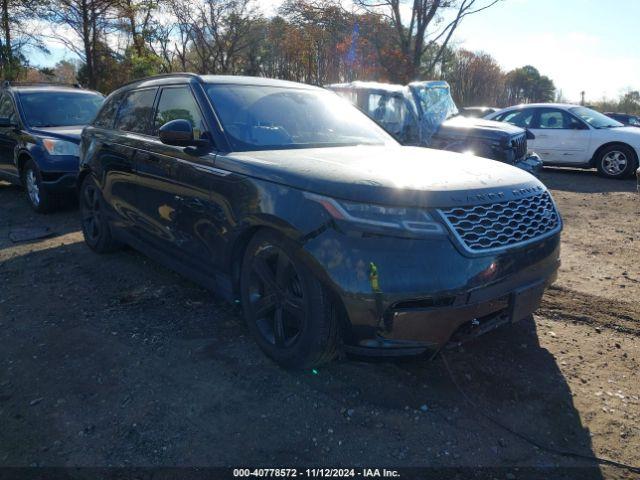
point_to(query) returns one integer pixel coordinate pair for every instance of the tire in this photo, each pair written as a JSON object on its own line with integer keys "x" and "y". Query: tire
{"x": 95, "y": 227}
{"x": 39, "y": 198}
{"x": 287, "y": 310}
{"x": 616, "y": 161}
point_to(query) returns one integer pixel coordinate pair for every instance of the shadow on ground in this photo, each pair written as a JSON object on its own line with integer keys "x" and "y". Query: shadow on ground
{"x": 112, "y": 360}
{"x": 584, "y": 181}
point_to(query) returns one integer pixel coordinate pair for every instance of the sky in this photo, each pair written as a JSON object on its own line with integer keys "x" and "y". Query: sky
{"x": 583, "y": 45}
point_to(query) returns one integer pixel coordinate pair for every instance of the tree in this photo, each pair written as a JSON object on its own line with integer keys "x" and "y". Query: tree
{"x": 526, "y": 85}
{"x": 629, "y": 102}
{"x": 139, "y": 22}
{"x": 475, "y": 78}
{"x": 90, "y": 21}
{"x": 425, "y": 31}
{"x": 215, "y": 34}
{"x": 15, "y": 17}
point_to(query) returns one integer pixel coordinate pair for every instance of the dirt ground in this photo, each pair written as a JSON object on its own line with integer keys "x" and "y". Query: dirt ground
{"x": 115, "y": 361}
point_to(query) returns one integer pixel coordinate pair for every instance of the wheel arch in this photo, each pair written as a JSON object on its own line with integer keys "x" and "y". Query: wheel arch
{"x": 604, "y": 146}
{"x": 81, "y": 176}
{"x": 22, "y": 158}
{"x": 235, "y": 266}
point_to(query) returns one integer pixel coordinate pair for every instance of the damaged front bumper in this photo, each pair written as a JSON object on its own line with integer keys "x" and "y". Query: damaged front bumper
{"x": 531, "y": 163}
{"x": 427, "y": 292}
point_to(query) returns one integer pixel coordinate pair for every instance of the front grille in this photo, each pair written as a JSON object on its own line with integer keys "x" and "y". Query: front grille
{"x": 519, "y": 146}
{"x": 499, "y": 225}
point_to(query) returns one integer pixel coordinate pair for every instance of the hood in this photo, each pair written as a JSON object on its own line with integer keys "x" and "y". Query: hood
{"x": 71, "y": 134}
{"x": 481, "y": 127}
{"x": 396, "y": 175}
{"x": 626, "y": 130}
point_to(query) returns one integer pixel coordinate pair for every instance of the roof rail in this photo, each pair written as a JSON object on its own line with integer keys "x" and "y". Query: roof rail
{"x": 9, "y": 83}
{"x": 161, "y": 75}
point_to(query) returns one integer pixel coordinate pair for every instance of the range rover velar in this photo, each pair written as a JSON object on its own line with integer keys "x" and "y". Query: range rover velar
{"x": 331, "y": 234}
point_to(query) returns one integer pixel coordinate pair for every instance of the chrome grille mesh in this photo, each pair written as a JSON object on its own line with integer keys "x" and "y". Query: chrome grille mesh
{"x": 500, "y": 225}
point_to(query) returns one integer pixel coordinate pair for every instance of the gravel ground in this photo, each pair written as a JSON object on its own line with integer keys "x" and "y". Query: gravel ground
{"x": 115, "y": 361}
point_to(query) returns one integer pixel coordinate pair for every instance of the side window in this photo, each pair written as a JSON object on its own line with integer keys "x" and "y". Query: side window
{"x": 107, "y": 115}
{"x": 178, "y": 103}
{"x": 389, "y": 111}
{"x": 554, "y": 119}
{"x": 6, "y": 107}
{"x": 519, "y": 118}
{"x": 557, "y": 119}
{"x": 135, "y": 111}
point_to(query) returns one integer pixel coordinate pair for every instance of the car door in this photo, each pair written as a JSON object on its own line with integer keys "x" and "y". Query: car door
{"x": 8, "y": 138}
{"x": 171, "y": 193}
{"x": 131, "y": 133}
{"x": 561, "y": 138}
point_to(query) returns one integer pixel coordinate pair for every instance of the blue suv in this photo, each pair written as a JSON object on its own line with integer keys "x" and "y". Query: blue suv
{"x": 40, "y": 126}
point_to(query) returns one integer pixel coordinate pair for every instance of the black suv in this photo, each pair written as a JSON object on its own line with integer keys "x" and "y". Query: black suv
{"x": 40, "y": 128}
{"x": 328, "y": 231}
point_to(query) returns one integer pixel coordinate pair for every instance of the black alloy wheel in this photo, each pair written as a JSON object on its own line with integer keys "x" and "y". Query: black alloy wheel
{"x": 286, "y": 308}
{"x": 276, "y": 297}
{"x": 95, "y": 227}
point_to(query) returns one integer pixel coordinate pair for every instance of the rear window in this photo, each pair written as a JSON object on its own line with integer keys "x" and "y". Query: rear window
{"x": 59, "y": 109}
{"x": 135, "y": 111}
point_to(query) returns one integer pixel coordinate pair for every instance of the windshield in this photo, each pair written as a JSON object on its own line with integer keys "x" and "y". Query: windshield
{"x": 436, "y": 105}
{"x": 59, "y": 109}
{"x": 266, "y": 118}
{"x": 595, "y": 119}
{"x": 436, "y": 102}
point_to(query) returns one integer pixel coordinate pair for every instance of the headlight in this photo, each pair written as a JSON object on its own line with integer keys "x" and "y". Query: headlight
{"x": 61, "y": 147}
{"x": 380, "y": 217}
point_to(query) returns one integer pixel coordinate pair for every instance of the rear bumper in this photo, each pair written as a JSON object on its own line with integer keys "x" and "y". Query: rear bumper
{"x": 429, "y": 289}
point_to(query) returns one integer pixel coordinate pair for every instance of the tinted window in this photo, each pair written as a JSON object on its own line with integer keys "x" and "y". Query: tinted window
{"x": 135, "y": 111}
{"x": 520, "y": 118}
{"x": 257, "y": 117}
{"x": 6, "y": 107}
{"x": 59, "y": 109}
{"x": 178, "y": 103}
{"x": 107, "y": 116}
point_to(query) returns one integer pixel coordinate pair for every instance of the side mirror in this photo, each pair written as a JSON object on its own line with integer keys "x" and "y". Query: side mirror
{"x": 179, "y": 133}
{"x": 6, "y": 122}
{"x": 530, "y": 135}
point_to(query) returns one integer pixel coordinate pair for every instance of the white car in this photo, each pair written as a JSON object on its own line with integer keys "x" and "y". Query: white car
{"x": 576, "y": 136}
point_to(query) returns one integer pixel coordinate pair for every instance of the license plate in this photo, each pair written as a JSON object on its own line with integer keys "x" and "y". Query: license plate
{"x": 524, "y": 301}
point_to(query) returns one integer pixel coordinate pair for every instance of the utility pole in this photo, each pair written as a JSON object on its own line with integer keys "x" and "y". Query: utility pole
{"x": 582, "y": 98}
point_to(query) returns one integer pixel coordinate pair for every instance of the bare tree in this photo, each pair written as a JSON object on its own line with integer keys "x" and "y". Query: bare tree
{"x": 139, "y": 21}
{"x": 426, "y": 30}
{"x": 476, "y": 79}
{"x": 16, "y": 20}
{"x": 215, "y": 34}
{"x": 90, "y": 21}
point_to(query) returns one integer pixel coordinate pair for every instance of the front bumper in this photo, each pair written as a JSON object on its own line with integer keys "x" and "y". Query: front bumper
{"x": 531, "y": 163}
{"x": 427, "y": 290}
{"x": 59, "y": 182}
